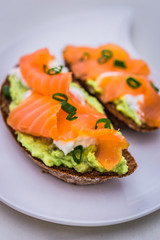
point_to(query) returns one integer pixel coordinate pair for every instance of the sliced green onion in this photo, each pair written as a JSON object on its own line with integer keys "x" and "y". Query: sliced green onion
{"x": 71, "y": 116}
{"x": 133, "y": 83}
{"x": 102, "y": 59}
{"x": 104, "y": 120}
{"x": 64, "y": 97}
{"x": 107, "y": 53}
{"x": 6, "y": 91}
{"x": 155, "y": 88}
{"x": 119, "y": 63}
{"x": 85, "y": 56}
{"x": 71, "y": 110}
{"x": 67, "y": 107}
{"x": 78, "y": 150}
{"x": 52, "y": 71}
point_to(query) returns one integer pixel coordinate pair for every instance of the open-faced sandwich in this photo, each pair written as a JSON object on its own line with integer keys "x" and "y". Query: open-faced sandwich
{"x": 59, "y": 125}
{"x": 119, "y": 82}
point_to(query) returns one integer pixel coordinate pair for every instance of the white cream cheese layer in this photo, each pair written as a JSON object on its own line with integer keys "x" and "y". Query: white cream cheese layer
{"x": 55, "y": 63}
{"x": 78, "y": 93}
{"x": 134, "y": 102}
{"x": 68, "y": 146}
{"x": 17, "y": 73}
{"x": 27, "y": 94}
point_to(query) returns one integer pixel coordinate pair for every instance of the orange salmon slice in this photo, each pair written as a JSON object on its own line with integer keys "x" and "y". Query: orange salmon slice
{"x": 84, "y": 61}
{"x": 32, "y": 70}
{"x": 117, "y": 86}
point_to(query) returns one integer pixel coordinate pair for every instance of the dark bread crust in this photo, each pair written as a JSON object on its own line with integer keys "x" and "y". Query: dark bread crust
{"x": 118, "y": 119}
{"x": 66, "y": 174}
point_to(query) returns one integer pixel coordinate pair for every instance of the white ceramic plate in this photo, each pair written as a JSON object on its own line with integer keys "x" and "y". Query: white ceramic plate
{"x": 22, "y": 184}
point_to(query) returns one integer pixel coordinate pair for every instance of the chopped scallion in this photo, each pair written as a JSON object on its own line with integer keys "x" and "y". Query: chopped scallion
{"x": 67, "y": 107}
{"x": 64, "y": 97}
{"x": 155, "y": 88}
{"x": 119, "y": 63}
{"x": 104, "y": 120}
{"x": 52, "y": 71}
{"x": 133, "y": 83}
{"x": 106, "y": 55}
{"x": 85, "y": 56}
{"x": 77, "y": 153}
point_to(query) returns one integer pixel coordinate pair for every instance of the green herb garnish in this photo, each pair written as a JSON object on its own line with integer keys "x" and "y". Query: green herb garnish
{"x": 52, "y": 71}
{"x": 6, "y": 91}
{"x": 85, "y": 56}
{"x": 104, "y": 120}
{"x": 119, "y": 63}
{"x": 67, "y": 107}
{"x": 64, "y": 97}
{"x": 155, "y": 88}
{"x": 77, "y": 153}
{"x": 102, "y": 59}
{"x": 106, "y": 55}
{"x": 133, "y": 83}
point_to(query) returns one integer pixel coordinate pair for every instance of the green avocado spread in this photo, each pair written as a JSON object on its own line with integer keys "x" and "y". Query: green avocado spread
{"x": 94, "y": 85}
{"x": 123, "y": 107}
{"x": 46, "y": 151}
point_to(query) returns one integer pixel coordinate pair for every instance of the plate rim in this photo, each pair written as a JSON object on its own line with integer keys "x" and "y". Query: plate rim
{"x": 59, "y": 220}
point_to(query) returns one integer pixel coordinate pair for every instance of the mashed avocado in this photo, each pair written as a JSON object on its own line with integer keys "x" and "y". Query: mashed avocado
{"x": 122, "y": 106}
{"x": 45, "y": 150}
{"x": 94, "y": 85}
{"x": 17, "y": 91}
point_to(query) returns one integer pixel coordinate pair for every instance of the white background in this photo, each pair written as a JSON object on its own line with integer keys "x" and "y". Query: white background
{"x": 16, "y": 17}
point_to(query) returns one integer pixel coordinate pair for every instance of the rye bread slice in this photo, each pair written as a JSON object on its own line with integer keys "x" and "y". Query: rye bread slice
{"x": 63, "y": 173}
{"x": 117, "y": 118}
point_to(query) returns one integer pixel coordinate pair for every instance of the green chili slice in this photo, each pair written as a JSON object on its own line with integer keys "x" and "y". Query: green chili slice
{"x": 133, "y": 83}
{"x": 119, "y": 63}
{"x": 104, "y": 120}
{"x": 6, "y": 91}
{"x": 77, "y": 153}
{"x": 52, "y": 71}
{"x": 85, "y": 56}
{"x": 155, "y": 88}
{"x": 64, "y": 97}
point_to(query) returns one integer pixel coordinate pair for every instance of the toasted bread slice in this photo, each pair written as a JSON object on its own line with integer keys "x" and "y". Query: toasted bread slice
{"x": 117, "y": 118}
{"x": 63, "y": 173}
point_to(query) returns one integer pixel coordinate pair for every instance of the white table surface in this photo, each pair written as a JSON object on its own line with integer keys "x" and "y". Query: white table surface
{"x": 18, "y": 16}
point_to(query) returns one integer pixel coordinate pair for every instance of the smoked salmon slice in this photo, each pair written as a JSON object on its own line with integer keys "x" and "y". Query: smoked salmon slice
{"x": 32, "y": 70}
{"x": 110, "y": 145}
{"x": 89, "y": 63}
{"x": 36, "y": 115}
{"x": 40, "y": 115}
{"x": 115, "y": 86}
